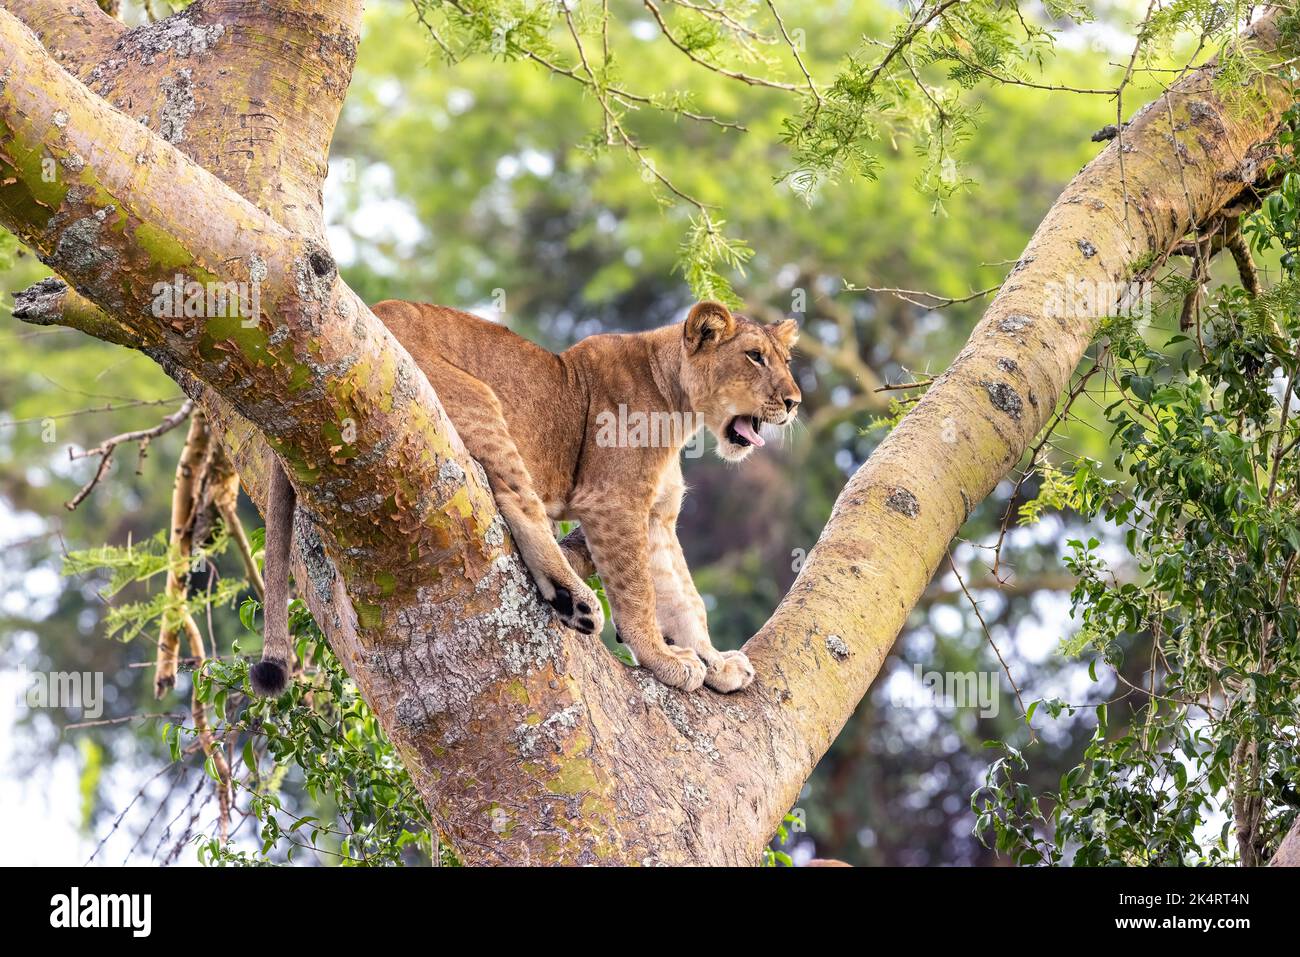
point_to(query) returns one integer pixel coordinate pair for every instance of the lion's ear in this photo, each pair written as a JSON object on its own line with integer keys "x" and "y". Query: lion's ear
{"x": 786, "y": 332}
{"x": 707, "y": 321}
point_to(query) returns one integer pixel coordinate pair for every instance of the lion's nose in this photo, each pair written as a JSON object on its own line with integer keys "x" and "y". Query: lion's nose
{"x": 790, "y": 404}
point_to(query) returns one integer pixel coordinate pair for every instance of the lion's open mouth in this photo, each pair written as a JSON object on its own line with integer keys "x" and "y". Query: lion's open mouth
{"x": 743, "y": 431}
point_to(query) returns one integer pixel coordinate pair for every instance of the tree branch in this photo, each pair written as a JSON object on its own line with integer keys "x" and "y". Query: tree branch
{"x": 892, "y": 523}
{"x": 76, "y": 32}
{"x": 106, "y": 448}
{"x": 312, "y": 362}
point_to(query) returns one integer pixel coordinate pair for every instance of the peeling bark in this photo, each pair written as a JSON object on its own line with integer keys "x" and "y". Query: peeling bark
{"x": 528, "y": 744}
{"x": 180, "y": 538}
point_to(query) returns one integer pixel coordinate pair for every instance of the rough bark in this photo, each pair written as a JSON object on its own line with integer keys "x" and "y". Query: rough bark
{"x": 1288, "y": 852}
{"x": 180, "y": 537}
{"x": 528, "y": 744}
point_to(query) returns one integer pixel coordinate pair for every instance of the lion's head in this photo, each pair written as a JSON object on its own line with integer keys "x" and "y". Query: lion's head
{"x": 736, "y": 373}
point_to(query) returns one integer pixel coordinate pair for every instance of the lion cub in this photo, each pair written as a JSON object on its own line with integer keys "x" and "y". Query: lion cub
{"x": 539, "y": 425}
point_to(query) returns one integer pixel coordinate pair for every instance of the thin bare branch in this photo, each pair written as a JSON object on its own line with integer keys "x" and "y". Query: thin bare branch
{"x": 106, "y": 449}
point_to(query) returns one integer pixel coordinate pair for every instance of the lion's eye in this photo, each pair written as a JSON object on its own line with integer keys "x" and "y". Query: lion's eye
{"x": 755, "y": 357}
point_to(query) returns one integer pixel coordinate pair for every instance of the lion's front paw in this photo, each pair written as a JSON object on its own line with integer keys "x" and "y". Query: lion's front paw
{"x": 729, "y": 671}
{"x": 678, "y": 667}
{"x": 577, "y": 606}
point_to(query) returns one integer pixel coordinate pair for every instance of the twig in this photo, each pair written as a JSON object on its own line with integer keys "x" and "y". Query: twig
{"x": 720, "y": 70}
{"x": 130, "y": 717}
{"x": 110, "y": 407}
{"x": 613, "y": 122}
{"x": 940, "y": 302}
{"x": 794, "y": 49}
{"x": 741, "y": 30}
{"x": 106, "y": 449}
{"x": 992, "y": 644}
{"x": 904, "y": 386}
{"x": 626, "y": 97}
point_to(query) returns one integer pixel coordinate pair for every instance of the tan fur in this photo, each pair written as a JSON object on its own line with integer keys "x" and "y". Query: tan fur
{"x": 533, "y": 420}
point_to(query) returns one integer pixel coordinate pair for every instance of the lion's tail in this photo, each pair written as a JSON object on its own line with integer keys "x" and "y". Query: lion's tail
{"x": 270, "y": 676}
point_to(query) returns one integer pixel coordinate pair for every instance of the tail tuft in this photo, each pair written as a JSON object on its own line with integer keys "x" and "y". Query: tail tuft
{"x": 269, "y": 677}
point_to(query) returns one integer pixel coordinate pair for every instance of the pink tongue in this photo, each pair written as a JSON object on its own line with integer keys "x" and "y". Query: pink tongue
{"x": 743, "y": 428}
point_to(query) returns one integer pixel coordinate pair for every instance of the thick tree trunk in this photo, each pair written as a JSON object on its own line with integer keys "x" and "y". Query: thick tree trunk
{"x": 528, "y": 744}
